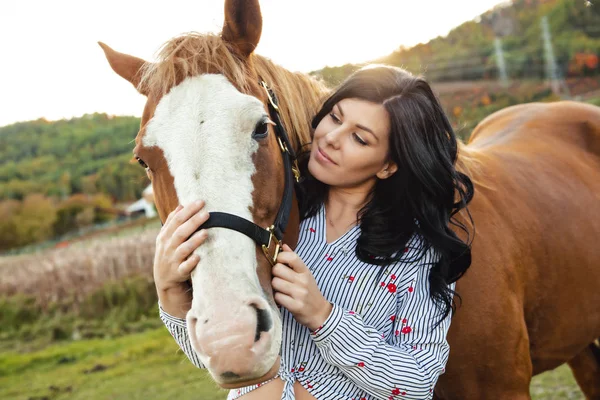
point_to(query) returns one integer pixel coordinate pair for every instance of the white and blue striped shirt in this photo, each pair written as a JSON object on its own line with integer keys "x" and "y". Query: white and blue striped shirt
{"x": 379, "y": 342}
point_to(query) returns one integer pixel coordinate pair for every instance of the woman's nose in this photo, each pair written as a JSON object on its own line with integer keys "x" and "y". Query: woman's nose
{"x": 332, "y": 137}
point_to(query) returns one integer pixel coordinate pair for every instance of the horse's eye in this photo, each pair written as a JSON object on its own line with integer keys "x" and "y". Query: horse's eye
{"x": 262, "y": 128}
{"x": 141, "y": 162}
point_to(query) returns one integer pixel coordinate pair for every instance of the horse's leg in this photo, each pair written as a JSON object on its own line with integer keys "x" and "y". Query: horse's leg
{"x": 586, "y": 369}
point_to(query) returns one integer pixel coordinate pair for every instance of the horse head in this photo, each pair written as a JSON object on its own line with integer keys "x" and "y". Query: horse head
{"x": 210, "y": 130}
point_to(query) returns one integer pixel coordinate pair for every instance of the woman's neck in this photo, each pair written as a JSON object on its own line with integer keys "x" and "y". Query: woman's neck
{"x": 342, "y": 205}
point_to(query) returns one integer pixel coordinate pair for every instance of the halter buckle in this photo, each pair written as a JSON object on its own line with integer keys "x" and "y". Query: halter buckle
{"x": 282, "y": 145}
{"x": 264, "y": 85}
{"x": 296, "y": 171}
{"x": 272, "y": 259}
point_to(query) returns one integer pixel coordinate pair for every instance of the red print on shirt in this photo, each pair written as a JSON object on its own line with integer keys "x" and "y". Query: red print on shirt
{"x": 406, "y": 329}
{"x": 361, "y": 364}
{"x": 393, "y": 276}
{"x": 328, "y": 258}
{"x": 391, "y": 288}
{"x": 411, "y": 287}
{"x": 393, "y": 318}
{"x": 312, "y": 230}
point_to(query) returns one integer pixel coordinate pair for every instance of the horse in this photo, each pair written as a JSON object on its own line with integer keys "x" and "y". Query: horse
{"x": 529, "y": 301}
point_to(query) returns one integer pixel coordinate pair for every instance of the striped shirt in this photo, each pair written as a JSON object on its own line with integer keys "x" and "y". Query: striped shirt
{"x": 380, "y": 340}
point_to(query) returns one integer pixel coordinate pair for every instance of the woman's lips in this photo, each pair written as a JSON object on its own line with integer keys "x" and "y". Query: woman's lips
{"x": 323, "y": 157}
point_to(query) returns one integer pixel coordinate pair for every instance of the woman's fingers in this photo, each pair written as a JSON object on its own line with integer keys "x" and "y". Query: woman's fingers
{"x": 186, "y": 267}
{"x": 181, "y": 216}
{"x": 172, "y": 213}
{"x": 190, "y": 226}
{"x": 282, "y": 286}
{"x": 186, "y": 248}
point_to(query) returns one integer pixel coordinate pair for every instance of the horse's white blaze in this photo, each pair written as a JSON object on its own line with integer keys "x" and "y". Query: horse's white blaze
{"x": 204, "y": 127}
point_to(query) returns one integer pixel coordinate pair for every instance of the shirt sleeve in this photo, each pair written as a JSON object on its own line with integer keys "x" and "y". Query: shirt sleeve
{"x": 177, "y": 328}
{"x": 409, "y": 361}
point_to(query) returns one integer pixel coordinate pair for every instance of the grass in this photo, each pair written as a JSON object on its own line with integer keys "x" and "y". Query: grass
{"x": 557, "y": 384}
{"x": 150, "y": 366}
{"x": 114, "y": 309}
{"x": 145, "y": 366}
{"x": 595, "y": 101}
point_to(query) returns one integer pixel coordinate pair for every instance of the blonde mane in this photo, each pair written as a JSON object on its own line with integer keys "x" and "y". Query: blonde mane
{"x": 191, "y": 54}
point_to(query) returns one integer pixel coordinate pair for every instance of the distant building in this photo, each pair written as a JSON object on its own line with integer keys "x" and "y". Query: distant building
{"x": 145, "y": 205}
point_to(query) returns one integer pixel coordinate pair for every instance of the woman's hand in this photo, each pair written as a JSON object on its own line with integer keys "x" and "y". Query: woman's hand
{"x": 173, "y": 263}
{"x": 297, "y": 290}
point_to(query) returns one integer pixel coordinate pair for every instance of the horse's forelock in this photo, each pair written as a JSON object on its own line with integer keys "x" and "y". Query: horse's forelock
{"x": 190, "y": 55}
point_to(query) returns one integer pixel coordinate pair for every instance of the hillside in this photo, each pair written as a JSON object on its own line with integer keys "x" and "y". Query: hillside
{"x": 468, "y": 51}
{"x": 82, "y": 155}
{"x": 63, "y": 175}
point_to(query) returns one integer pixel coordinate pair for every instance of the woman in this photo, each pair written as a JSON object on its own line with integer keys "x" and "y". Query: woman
{"x": 368, "y": 295}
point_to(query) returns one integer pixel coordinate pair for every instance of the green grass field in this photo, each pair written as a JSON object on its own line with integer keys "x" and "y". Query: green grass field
{"x": 149, "y": 366}
{"x": 133, "y": 367}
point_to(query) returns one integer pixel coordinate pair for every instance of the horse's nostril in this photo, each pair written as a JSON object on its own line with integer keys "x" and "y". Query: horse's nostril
{"x": 229, "y": 375}
{"x": 263, "y": 321}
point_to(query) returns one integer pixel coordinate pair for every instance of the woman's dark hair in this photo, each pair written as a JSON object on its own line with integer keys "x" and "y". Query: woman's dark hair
{"x": 422, "y": 196}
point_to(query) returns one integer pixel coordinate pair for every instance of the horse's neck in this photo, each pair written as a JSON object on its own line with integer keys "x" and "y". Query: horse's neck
{"x": 300, "y": 97}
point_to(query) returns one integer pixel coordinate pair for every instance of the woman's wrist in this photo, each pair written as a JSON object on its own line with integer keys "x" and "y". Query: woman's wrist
{"x": 176, "y": 301}
{"x": 321, "y": 318}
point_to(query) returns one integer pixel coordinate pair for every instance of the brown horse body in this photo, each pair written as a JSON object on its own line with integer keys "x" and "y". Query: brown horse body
{"x": 531, "y": 296}
{"x": 531, "y": 299}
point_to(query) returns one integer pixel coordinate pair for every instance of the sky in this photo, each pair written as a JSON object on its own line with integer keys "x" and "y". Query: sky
{"x": 52, "y": 67}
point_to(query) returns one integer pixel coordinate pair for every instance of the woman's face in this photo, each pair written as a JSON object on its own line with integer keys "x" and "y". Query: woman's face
{"x": 355, "y": 137}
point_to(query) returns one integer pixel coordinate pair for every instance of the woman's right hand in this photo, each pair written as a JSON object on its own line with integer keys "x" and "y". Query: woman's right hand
{"x": 173, "y": 259}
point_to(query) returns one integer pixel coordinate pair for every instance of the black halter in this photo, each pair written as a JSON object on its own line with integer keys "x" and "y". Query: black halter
{"x": 273, "y": 234}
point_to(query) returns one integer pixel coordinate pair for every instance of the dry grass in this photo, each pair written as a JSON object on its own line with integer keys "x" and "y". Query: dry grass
{"x": 77, "y": 271}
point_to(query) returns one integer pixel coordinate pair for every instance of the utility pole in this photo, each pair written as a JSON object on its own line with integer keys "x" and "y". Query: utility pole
{"x": 500, "y": 63}
{"x": 552, "y": 71}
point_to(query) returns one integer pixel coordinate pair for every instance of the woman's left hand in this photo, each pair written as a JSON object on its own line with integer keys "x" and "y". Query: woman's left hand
{"x": 297, "y": 290}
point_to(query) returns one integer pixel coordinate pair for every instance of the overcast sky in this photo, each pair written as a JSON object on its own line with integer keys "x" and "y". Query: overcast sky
{"x": 52, "y": 67}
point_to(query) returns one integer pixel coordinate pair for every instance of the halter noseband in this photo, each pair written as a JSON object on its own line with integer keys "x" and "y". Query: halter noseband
{"x": 273, "y": 234}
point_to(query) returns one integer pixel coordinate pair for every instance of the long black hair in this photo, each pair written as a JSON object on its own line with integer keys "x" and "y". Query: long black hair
{"x": 425, "y": 192}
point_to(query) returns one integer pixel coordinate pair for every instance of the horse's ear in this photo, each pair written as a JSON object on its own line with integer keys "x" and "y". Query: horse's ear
{"x": 243, "y": 25}
{"x": 128, "y": 67}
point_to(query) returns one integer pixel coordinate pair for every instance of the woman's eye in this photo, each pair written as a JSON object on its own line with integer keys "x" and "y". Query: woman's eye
{"x": 141, "y": 162}
{"x": 359, "y": 140}
{"x": 335, "y": 118}
{"x": 262, "y": 129}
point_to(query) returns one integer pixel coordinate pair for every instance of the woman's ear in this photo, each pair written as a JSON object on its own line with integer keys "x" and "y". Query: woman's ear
{"x": 388, "y": 170}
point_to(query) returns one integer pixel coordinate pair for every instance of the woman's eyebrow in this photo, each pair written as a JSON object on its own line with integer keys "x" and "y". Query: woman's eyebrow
{"x": 364, "y": 128}
{"x": 359, "y": 126}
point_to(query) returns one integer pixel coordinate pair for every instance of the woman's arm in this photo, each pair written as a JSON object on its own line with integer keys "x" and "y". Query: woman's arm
{"x": 173, "y": 264}
{"x": 405, "y": 362}
{"x": 177, "y": 328}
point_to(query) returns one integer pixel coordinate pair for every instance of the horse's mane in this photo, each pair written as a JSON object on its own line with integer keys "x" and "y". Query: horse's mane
{"x": 193, "y": 54}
